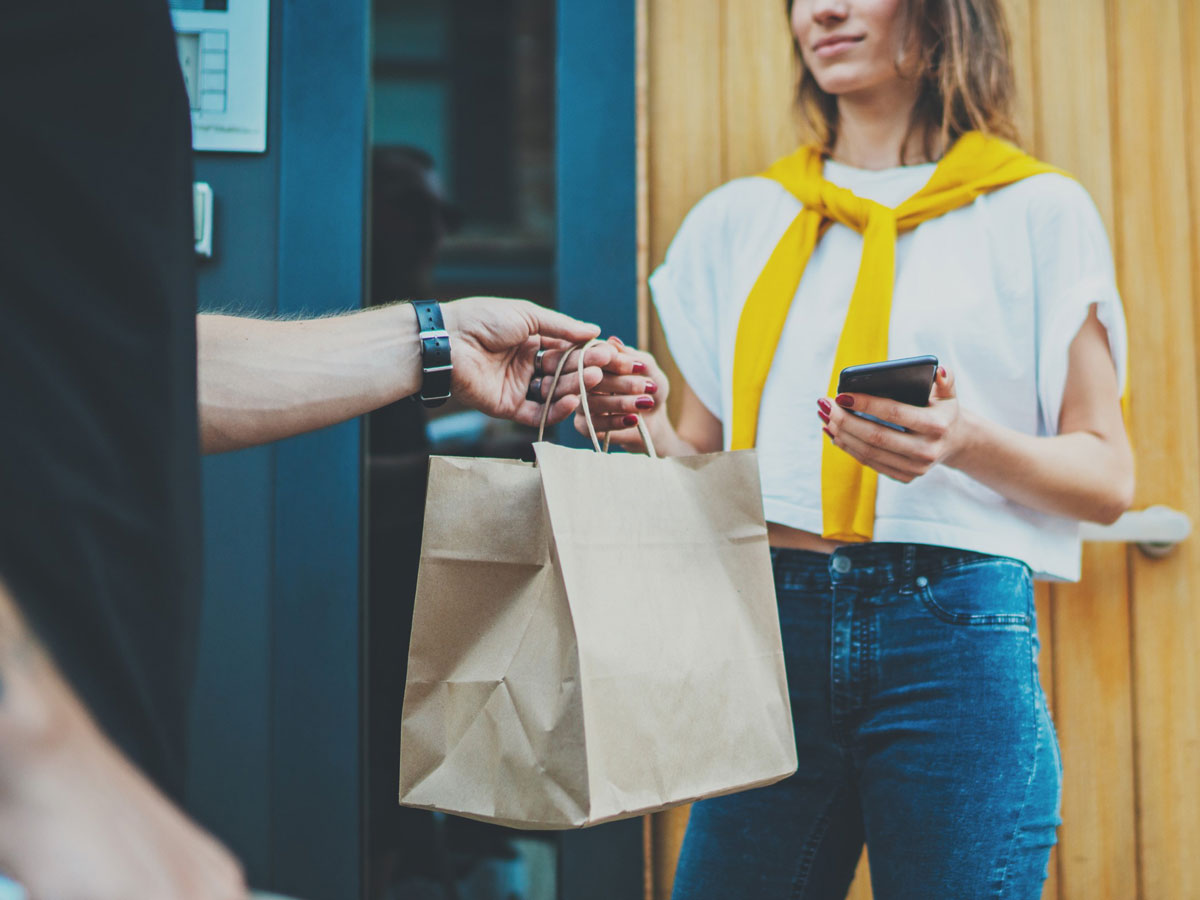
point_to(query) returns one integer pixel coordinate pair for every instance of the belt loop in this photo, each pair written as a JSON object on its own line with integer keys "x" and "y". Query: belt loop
{"x": 910, "y": 560}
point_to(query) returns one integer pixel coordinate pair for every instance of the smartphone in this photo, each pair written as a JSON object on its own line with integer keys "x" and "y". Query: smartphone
{"x": 908, "y": 380}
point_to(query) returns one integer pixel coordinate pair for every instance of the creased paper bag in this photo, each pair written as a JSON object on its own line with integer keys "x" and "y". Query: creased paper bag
{"x": 594, "y": 637}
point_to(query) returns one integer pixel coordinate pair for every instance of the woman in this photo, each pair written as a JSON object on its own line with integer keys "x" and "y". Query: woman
{"x": 906, "y": 601}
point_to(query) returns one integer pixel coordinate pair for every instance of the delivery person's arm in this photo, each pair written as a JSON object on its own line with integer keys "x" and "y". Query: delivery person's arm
{"x": 261, "y": 380}
{"x": 76, "y": 818}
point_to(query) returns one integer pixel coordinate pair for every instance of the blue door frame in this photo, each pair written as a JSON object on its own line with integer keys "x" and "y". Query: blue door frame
{"x": 276, "y": 749}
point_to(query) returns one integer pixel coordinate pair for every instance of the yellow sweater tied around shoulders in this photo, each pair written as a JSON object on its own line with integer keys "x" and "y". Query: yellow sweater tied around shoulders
{"x": 975, "y": 165}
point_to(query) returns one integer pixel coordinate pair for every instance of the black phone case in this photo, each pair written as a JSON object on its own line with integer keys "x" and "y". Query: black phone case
{"x": 906, "y": 380}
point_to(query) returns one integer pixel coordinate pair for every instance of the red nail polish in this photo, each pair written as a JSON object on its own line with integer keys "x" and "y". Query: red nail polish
{"x": 824, "y": 418}
{"x": 828, "y": 433}
{"x": 651, "y": 387}
{"x": 639, "y": 368}
{"x": 630, "y": 421}
{"x": 644, "y": 403}
{"x": 844, "y": 400}
{"x": 825, "y": 407}
{"x": 942, "y": 371}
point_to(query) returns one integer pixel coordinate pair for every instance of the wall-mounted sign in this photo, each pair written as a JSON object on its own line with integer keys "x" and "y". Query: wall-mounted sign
{"x": 223, "y": 50}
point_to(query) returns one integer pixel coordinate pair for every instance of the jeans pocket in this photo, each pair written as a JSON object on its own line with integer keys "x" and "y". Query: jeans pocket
{"x": 988, "y": 592}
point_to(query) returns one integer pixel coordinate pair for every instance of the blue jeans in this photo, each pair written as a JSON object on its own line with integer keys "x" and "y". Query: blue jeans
{"x": 921, "y": 728}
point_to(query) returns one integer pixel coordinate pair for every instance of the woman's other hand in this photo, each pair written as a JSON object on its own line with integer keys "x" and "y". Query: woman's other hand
{"x": 934, "y": 433}
{"x": 632, "y": 387}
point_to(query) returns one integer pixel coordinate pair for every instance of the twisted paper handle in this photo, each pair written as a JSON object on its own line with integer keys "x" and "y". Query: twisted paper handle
{"x": 583, "y": 400}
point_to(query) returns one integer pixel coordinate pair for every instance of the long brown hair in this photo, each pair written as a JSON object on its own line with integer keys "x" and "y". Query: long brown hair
{"x": 964, "y": 64}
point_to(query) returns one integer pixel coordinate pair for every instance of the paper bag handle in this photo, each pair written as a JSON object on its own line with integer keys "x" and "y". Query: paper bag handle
{"x": 583, "y": 400}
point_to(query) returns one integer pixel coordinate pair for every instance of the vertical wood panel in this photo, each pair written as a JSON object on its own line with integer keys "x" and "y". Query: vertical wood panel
{"x": 758, "y": 87}
{"x": 1096, "y": 857}
{"x": 860, "y": 888}
{"x": 642, "y": 143}
{"x": 1153, "y": 246}
{"x": 683, "y": 158}
{"x": 1190, "y": 30}
{"x": 1072, "y": 94}
{"x": 1020, "y": 14}
{"x": 1093, "y": 698}
{"x": 685, "y": 147}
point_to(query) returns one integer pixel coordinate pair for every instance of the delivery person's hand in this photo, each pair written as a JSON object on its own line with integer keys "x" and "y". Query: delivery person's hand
{"x": 495, "y": 344}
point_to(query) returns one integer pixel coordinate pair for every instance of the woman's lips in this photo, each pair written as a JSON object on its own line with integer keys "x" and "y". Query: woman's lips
{"x": 834, "y": 45}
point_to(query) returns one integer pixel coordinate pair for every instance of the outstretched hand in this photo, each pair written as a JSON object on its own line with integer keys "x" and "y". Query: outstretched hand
{"x": 495, "y": 341}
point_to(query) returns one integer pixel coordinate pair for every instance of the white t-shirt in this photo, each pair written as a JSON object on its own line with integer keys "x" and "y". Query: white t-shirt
{"x": 996, "y": 290}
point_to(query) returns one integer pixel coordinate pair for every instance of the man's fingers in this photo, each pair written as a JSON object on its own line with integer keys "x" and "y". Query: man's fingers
{"x": 562, "y": 408}
{"x": 530, "y": 413}
{"x": 599, "y": 356}
{"x": 556, "y": 325}
{"x": 568, "y": 384}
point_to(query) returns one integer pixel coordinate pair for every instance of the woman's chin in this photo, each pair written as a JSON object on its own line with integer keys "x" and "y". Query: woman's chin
{"x": 840, "y": 84}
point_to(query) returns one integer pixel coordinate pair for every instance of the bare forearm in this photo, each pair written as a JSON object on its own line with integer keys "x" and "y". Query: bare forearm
{"x": 1079, "y": 474}
{"x": 263, "y": 380}
{"x": 669, "y": 442}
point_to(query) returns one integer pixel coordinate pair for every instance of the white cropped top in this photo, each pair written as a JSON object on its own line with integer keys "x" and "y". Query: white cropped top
{"x": 996, "y": 290}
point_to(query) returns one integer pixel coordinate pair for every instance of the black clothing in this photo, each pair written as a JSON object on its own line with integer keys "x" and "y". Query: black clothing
{"x": 99, "y": 446}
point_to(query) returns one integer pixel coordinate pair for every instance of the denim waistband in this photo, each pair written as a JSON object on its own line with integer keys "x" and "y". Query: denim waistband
{"x": 869, "y": 565}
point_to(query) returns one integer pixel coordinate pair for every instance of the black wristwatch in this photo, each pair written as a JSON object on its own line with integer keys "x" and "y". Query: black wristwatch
{"x": 435, "y": 353}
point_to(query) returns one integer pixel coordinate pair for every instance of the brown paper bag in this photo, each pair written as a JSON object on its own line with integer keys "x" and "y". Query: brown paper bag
{"x": 594, "y": 637}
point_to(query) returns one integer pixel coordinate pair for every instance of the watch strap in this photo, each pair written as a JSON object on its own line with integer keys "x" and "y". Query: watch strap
{"x": 435, "y": 353}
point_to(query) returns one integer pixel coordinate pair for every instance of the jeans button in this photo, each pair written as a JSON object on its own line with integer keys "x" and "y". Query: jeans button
{"x": 922, "y": 581}
{"x": 841, "y": 564}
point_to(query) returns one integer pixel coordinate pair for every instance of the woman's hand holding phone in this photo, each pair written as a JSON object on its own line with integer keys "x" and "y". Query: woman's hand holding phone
{"x": 933, "y": 434}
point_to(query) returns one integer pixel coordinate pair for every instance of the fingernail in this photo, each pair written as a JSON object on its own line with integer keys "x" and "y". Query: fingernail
{"x": 630, "y": 421}
{"x": 824, "y": 418}
{"x": 828, "y": 433}
{"x": 825, "y": 406}
{"x": 616, "y": 340}
{"x": 639, "y": 368}
{"x": 942, "y": 371}
{"x": 644, "y": 403}
{"x": 844, "y": 400}
{"x": 651, "y": 387}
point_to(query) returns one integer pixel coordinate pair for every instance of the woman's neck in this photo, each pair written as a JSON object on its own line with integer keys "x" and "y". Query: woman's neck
{"x": 874, "y": 128}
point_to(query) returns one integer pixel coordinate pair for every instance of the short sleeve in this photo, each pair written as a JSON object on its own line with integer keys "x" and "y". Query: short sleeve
{"x": 1073, "y": 271}
{"x": 687, "y": 289}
